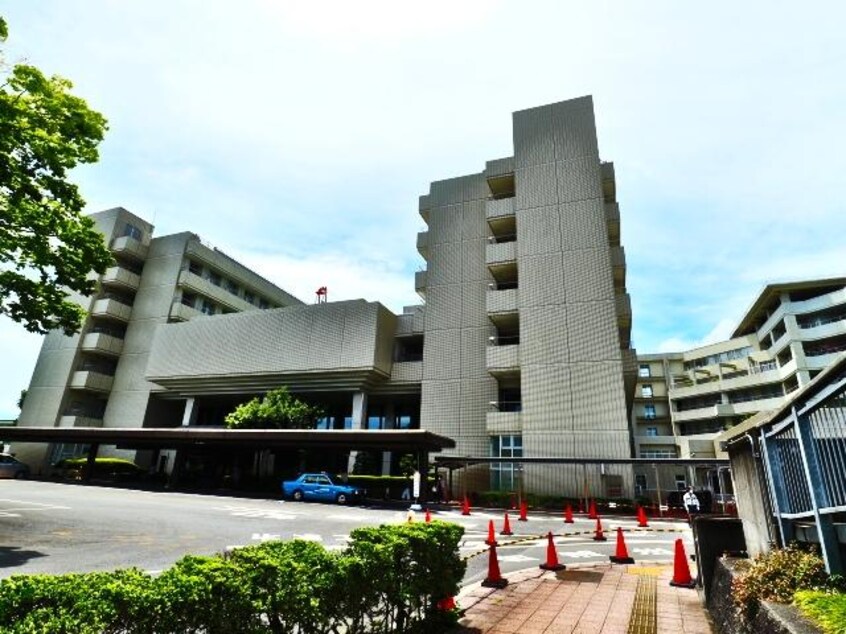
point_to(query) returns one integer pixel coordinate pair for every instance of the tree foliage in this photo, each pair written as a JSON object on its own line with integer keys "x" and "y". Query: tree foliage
{"x": 47, "y": 247}
{"x": 277, "y": 409}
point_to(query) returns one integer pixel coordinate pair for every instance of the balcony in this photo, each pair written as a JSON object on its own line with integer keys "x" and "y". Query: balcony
{"x": 609, "y": 182}
{"x": 182, "y": 312}
{"x": 102, "y": 344}
{"x": 501, "y": 302}
{"x": 618, "y": 266}
{"x": 80, "y": 421}
{"x": 612, "y": 221}
{"x": 420, "y": 281}
{"x": 218, "y": 294}
{"x": 121, "y": 278}
{"x": 503, "y": 359}
{"x": 499, "y": 209}
{"x": 720, "y": 410}
{"x": 423, "y": 206}
{"x": 91, "y": 381}
{"x": 423, "y": 244}
{"x": 497, "y": 423}
{"x": 128, "y": 246}
{"x": 111, "y": 309}
{"x": 624, "y": 309}
{"x": 501, "y": 253}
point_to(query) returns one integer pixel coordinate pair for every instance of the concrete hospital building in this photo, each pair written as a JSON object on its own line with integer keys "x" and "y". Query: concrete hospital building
{"x": 522, "y": 346}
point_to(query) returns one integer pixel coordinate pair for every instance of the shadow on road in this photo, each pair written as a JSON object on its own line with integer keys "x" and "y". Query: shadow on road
{"x": 11, "y": 556}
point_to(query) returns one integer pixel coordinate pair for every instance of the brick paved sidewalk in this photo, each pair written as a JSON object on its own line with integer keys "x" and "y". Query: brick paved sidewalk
{"x": 585, "y": 600}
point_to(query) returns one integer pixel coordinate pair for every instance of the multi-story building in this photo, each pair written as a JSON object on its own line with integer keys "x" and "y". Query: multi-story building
{"x": 96, "y": 378}
{"x": 522, "y": 347}
{"x": 527, "y": 325}
{"x": 683, "y": 401}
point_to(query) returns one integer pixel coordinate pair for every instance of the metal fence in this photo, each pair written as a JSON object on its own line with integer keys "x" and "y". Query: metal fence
{"x": 805, "y": 459}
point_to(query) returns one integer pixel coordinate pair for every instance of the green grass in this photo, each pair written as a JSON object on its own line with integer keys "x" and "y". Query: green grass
{"x": 827, "y": 610}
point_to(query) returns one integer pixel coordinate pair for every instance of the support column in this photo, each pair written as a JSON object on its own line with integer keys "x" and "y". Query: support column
{"x": 359, "y": 415}
{"x": 93, "y": 448}
{"x": 390, "y": 423}
{"x": 189, "y": 415}
{"x": 423, "y": 470}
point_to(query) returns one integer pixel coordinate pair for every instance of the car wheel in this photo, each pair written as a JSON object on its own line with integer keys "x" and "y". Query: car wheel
{"x": 342, "y": 498}
{"x": 297, "y": 495}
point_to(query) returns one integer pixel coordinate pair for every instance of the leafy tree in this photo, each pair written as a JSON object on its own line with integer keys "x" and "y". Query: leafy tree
{"x": 277, "y": 409}
{"x": 47, "y": 247}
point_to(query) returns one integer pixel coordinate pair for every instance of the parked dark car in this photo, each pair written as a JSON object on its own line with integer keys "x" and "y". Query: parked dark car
{"x": 319, "y": 486}
{"x": 11, "y": 467}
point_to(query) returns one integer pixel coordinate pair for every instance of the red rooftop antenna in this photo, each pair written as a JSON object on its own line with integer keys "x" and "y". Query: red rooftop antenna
{"x": 322, "y": 295}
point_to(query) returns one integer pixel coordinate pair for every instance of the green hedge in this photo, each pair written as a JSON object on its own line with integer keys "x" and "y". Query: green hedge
{"x": 826, "y": 609}
{"x": 388, "y": 579}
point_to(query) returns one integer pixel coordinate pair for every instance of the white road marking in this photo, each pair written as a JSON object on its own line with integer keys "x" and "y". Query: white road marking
{"x": 265, "y": 537}
{"x": 254, "y": 513}
{"x": 309, "y": 537}
{"x": 583, "y": 554}
{"x": 652, "y": 551}
{"x": 4, "y": 514}
{"x": 517, "y": 558}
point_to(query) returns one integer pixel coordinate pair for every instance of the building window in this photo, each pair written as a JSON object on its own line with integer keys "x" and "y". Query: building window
{"x": 214, "y": 278}
{"x": 651, "y": 431}
{"x": 681, "y": 482}
{"x": 195, "y": 268}
{"x": 263, "y": 303}
{"x": 131, "y": 231}
{"x": 640, "y": 484}
{"x": 646, "y": 391}
{"x": 643, "y": 371}
{"x": 249, "y": 297}
{"x": 207, "y": 307}
{"x": 231, "y": 286}
{"x": 505, "y": 475}
{"x": 649, "y": 411}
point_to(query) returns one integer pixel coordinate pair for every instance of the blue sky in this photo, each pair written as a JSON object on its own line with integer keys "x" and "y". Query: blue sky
{"x": 298, "y": 136}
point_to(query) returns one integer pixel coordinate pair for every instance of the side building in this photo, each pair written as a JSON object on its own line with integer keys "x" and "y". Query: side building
{"x": 96, "y": 378}
{"x": 683, "y": 401}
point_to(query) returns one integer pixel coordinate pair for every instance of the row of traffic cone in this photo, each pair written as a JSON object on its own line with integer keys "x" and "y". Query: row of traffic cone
{"x": 642, "y": 521}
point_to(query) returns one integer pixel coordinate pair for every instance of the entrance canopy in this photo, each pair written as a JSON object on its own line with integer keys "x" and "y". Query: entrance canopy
{"x": 410, "y": 440}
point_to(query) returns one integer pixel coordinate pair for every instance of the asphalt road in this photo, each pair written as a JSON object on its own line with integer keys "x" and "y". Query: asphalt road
{"x": 48, "y": 527}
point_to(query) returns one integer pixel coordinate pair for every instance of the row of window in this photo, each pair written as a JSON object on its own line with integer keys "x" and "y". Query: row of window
{"x": 227, "y": 284}
{"x": 722, "y": 357}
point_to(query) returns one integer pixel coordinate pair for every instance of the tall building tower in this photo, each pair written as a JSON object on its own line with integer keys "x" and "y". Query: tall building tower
{"x": 527, "y": 323}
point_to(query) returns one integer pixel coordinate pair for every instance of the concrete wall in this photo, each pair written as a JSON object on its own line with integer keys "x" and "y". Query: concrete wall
{"x": 749, "y": 496}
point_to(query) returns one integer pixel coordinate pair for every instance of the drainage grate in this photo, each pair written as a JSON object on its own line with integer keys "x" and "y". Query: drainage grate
{"x": 643, "y": 619}
{"x": 580, "y": 576}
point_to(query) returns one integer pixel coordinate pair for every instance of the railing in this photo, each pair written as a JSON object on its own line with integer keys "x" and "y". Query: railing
{"x": 506, "y": 406}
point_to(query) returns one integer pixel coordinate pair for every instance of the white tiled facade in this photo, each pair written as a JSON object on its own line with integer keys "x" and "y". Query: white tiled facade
{"x": 522, "y": 346}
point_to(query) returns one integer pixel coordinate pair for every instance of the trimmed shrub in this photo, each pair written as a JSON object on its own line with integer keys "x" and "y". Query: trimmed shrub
{"x": 776, "y": 576}
{"x": 389, "y": 579}
{"x": 825, "y": 609}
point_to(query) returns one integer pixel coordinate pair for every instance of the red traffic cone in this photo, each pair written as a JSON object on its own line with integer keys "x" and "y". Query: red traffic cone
{"x": 681, "y": 571}
{"x": 552, "y": 556}
{"x": 465, "y": 506}
{"x": 641, "y": 518}
{"x": 622, "y": 554}
{"x": 428, "y": 516}
{"x": 491, "y": 540}
{"x": 568, "y": 515}
{"x": 524, "y": 509}
{"x": 447, "y": 605}
{"x": 494, "y": 578}
{"x": 506, "y": 527}
{"x": 597, "y": 535}
{"x": 592, "y": 511}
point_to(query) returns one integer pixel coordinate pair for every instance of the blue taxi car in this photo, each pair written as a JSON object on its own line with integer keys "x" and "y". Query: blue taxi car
{"x": 319, "y": 486}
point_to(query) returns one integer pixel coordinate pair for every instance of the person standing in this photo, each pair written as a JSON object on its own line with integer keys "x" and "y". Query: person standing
{"x": 691, "y": 502}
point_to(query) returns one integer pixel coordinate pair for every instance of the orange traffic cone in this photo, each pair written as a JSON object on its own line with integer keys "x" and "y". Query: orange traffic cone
{"x": 592, "y": 510}
{"x": 552, "y": 556}
{"x": 524, "y": 509}
{"x": 428, "y": 516}
{"x": 641, "y": 518}
{"x": 622, "y": 554}
{"x": 447, "y": 605}
{"x": 465, "y": 506}
{"x": 681, "y": 571}
{"x": 568, "y": 515}
{"x": 491, "y": 540}
{"x": 494, "y": 578}
{"x": 506, "y": 527}
{"x": 598, "y": 536}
